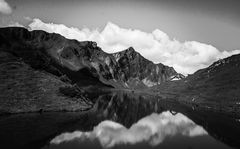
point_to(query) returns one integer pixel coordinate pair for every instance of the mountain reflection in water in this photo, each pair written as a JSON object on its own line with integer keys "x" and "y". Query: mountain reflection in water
{"x": 152, "y": 129}
{"x": 122, "y": 120}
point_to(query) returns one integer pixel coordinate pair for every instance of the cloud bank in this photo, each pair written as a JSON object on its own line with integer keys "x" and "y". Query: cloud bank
{"x": 15, "y": 24}
{"x": 186, "y": 57}
{"x": 152, "y": 129}
{"x": 4, "y": 7}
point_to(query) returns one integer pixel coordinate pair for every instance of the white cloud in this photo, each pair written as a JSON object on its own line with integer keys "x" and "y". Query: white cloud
{"x": 15, "y": 24}
{"x": 4, "y": 7}
{"x": 152, "y": 129}
{"x": 186, "y": 57}
{"x": 27, "y": 18}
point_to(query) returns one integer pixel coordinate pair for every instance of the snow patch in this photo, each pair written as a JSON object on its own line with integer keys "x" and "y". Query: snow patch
{"x": 175, "y": 79}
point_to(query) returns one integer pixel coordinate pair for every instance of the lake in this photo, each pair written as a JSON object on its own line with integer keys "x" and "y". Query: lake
{"x": 122, "y": 120}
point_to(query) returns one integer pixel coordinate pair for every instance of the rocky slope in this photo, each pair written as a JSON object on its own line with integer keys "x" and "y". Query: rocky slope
{"x": 136, "y": 71}
{"x": 217, "y": 86}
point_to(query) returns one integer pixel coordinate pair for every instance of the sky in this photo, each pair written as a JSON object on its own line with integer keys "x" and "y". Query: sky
{"x": 186, "y": 34}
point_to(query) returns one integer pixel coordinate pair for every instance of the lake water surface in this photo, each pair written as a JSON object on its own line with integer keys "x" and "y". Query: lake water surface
{"x": 122, "y": 120}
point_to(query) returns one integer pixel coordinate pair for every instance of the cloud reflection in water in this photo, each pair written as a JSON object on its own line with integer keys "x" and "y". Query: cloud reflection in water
{"x": 152, "y": 129}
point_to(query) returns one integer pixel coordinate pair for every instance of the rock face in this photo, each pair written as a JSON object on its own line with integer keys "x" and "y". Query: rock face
{"x": 84, "y": 63}
{"x": 136, "y": 71}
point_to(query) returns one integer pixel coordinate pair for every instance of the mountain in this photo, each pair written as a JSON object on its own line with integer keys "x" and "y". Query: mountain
{"x": 136, "y": 71}
{"x": 43, "y": 71}
{"x": 84, "y": 63}
{"x": 217, "y": 86}
{"x": 37, "y": 65}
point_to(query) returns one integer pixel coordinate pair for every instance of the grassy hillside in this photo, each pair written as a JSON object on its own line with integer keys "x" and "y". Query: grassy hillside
{"x": 217, "y": 86}
{"x": 24, "y": 89}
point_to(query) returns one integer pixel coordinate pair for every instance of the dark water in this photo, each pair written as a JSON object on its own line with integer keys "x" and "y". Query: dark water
{"x": 122, "y": 120}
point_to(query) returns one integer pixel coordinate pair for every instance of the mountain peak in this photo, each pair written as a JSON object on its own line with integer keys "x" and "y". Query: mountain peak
{"x": 128, "y": 50}
{"x": 131, "y": 49}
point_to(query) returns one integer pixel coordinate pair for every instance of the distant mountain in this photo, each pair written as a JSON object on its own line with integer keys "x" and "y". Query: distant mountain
{"x": 218, "y": 85}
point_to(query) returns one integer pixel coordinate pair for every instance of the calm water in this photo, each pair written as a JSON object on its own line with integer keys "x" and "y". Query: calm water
{"x": 122, "y": 120}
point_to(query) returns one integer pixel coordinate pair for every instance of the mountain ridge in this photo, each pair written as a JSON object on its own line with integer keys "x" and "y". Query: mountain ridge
{"x": 76, "y": 55}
